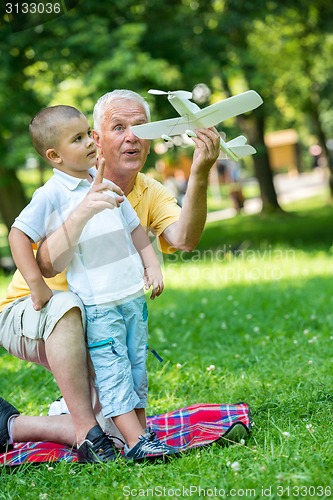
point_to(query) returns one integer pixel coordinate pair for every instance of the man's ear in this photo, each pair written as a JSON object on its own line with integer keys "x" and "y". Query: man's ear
{"x": 95, "y": 136}
{"x": 53, "y": 156}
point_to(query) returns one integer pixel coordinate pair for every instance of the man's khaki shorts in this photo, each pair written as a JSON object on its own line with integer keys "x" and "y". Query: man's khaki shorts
{"x": 23, "y": 331}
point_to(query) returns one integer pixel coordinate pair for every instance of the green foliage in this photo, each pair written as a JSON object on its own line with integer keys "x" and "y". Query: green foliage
{"x": 227, "y": 45}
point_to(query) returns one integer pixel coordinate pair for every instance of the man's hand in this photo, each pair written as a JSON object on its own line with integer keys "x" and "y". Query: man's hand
{"x": 185, "y": 233}
{"x": 153, "y": 278}
{"x": 40, "y": 294}
{"x": 207, "y": 149}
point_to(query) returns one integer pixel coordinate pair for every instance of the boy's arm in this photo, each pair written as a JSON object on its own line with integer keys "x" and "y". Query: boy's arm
{"x": 153, "y": 275}
{"x": 25, "y": 261}
{"x": 56, "y": 251}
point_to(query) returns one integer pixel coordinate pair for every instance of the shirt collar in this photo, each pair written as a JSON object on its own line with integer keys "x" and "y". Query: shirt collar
{"x": 140, "y": 185}
{"x": 73, "y": 182}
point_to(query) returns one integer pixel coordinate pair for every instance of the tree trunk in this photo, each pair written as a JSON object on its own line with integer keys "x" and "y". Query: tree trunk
{"x": 265, "y": 179}
{"x": 254, "y": 131}
{"x": 322, "y": 139}
{"x": 253, "y": 128}
{"x": 12, "y": 196}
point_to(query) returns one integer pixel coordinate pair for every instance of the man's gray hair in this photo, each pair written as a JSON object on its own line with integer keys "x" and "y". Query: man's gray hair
{"x": 104, "y": 101}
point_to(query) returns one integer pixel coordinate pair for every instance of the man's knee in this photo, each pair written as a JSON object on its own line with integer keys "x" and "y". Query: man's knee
{"x": 72, "y": 320}
{"x": 65, "y": 312}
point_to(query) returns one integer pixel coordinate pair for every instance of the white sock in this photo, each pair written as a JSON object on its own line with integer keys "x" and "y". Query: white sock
{"x": 10, "y": 428}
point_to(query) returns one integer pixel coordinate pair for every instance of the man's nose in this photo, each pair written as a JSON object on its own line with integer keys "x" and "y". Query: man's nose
{"x": 130, "y": 136}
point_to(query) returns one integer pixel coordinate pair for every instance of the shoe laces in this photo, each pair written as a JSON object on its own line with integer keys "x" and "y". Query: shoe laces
{"x": 102, "y": 444}
{"x": 112, "y": 438}
{"x": 152, "y": 443}
{"x": 150, "y": 435}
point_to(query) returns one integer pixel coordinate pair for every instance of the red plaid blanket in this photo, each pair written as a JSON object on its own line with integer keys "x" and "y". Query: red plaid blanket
{"x": 190, "y": 427}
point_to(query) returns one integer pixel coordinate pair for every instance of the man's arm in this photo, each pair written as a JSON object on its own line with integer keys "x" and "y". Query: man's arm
{"x": 186, "y": 232}
{"x": 25, "y": 261}
{"x": 153, "y": 275}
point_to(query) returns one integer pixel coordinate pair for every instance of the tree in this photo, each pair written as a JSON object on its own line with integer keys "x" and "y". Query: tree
{"x": 230, "y": 45}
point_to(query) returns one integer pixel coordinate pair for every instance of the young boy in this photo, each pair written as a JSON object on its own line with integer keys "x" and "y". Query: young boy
{"x": 112, "y": 259}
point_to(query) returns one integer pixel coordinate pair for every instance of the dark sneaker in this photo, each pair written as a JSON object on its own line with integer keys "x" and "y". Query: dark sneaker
{"x": 6, "y": 411}
{"x": 148, "y": 446}
{"x": 97, "y": 447}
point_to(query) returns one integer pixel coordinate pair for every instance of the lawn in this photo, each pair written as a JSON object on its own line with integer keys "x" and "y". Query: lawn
{"x": 255, "y": 300}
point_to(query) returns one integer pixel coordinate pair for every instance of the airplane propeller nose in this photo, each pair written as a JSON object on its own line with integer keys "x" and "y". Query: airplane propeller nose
{"x": 182, "y": 94}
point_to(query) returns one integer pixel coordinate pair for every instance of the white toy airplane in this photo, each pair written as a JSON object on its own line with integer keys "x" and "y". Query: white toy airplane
{"x": 192, "y": 117}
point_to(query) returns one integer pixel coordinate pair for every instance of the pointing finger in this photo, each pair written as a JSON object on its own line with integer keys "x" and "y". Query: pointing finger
{"x": 100, "y": 172}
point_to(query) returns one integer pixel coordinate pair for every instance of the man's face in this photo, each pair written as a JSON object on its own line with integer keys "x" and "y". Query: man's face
{"x": 122, "y": 150}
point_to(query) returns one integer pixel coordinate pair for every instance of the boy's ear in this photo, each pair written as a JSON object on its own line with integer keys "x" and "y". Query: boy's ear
{"x": 53, "y": 156}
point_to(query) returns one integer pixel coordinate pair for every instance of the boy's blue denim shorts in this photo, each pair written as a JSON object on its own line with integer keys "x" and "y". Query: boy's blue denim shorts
{"x": 117, "y": 341}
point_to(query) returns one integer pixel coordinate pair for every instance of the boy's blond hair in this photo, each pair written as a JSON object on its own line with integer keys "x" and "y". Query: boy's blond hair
{"x": 44, "y": 128}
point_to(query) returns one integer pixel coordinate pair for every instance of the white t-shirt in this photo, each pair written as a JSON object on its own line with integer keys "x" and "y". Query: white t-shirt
{"x": 106, "y": 266}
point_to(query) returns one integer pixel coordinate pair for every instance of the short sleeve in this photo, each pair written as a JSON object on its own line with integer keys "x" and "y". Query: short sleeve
{"x": 129, "y": 214}
{"x": 38, "y": 218}
{"x": 156, "y": 207}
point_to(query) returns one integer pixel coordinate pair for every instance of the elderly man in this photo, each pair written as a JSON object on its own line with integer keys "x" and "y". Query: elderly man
{"x": 40, "y": 336}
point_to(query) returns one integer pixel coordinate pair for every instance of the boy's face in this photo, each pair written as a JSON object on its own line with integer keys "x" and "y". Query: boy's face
{"x": 75, "y": 149}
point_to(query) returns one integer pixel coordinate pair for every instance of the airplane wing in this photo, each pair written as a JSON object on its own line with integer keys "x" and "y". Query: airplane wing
{"x": 216, "y": 113}
{"x": 204, "y": 118}
{"x": 155, "y": 130}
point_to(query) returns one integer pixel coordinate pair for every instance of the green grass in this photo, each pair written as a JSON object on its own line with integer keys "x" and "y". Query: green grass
{"x": 256, "y": 301}
{"x": 299, "y": 228}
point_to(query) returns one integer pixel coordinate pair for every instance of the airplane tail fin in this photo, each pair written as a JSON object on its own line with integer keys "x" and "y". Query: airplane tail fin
{"x": 237, "y": 148}
{"x": 241, "y": 151}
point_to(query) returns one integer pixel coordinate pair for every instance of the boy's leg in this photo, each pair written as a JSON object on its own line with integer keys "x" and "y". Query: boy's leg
{"x": 141, "y": 415}
{"x": 106, "y": 336}
{"x": 136, "y": 320}
{"x": 130, "y": 427}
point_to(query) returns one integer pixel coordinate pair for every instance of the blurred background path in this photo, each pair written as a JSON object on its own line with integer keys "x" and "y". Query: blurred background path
{"x": 288, "y": 187}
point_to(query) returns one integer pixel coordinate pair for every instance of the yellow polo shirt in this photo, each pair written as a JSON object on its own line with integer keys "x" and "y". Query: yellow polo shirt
{"x": 156, "y": 209}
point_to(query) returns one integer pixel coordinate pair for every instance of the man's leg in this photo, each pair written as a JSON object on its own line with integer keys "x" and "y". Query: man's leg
{"x": 67, "y": 357}
{"x": 57, "y": 429}
{"x": 55, "y": 339}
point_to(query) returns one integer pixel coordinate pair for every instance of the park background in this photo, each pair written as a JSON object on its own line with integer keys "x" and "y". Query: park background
{"x": 248, "y": 315}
